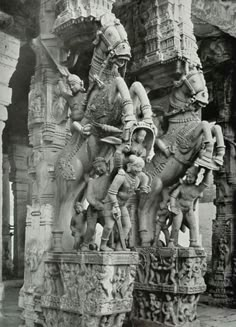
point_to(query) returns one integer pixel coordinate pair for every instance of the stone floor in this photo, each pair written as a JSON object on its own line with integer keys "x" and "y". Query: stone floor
{"x": 209, "y": 316}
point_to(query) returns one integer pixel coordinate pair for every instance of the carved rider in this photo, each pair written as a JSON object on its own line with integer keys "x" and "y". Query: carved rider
{"x": 76, "y": 100}
{"x": 122, "y": 188}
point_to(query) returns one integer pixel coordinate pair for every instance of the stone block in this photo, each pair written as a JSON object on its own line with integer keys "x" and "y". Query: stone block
{"x": 88, "y": 288}
{"x": 168, "y": 286}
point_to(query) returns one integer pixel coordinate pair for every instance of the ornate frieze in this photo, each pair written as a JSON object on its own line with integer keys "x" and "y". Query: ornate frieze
{"x": 168, "y": 286}
{"x": 93, "y": 289}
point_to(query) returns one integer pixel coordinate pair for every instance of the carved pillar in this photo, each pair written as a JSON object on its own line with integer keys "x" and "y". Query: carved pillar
{"x": 224, "y": 236}
{"x": 9, "y": 52}
{"x": 7, "y": 255}
{"x": 18, "y": 155}
{"x": 219, "y": 52}
{"x": 47, "y": 135}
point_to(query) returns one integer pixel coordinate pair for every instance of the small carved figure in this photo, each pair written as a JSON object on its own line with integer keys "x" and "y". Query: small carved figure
{"x": 76, "y": 100}
{"x": 188, "y": 308}
{"x": 182, "y": 205}
{"x": 169, "y": 265}
{"x": 78, "y": 225}
{"x": 122, "y": 188}
{"x": 223, "y": 254}
{"x": 163, "y": 214}
{"x": 185, "y": 274}
{"x": 155, "y": 307}
{"x": 197, "y": 272}
{"x": 104, "y": 322}
{"x": 168, "y": 310}
{"x": 135, "y": 147}
{"x": 141, "y": 305}
{"x": 96, "y": 193}
{"x": 155, "y": 269}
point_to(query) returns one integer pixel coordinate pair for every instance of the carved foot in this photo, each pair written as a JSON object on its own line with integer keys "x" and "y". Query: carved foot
{"x": 84, "y": 247}
{"x": 105, "y": 248}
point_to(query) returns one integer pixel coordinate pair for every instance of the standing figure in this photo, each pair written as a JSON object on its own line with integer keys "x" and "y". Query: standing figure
{"x": 169, "y": 311}
{"x": 76, "y": 100}
{"x": 122, "y": 188}
{"x": 96, "y": 193}
{"x": 78, "y": 224}
{"x": 163, "y": 214}
{"x": 182, "y": 205}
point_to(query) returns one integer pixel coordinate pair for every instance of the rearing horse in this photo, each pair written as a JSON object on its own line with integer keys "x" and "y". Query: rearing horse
{"x": 109, "y": 104}
{"x": 188, "y": 140}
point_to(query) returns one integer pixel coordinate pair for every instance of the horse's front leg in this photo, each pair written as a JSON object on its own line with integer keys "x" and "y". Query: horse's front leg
{"x": 147, "y": 209}
{"x": 220, "y": 146}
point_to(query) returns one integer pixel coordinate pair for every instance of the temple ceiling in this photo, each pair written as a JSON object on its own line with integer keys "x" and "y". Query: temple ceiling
{"x": 210, "y": 17}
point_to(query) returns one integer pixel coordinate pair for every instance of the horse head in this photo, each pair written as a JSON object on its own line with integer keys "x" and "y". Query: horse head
{"x": 111, "y": 43}
{"x": 189, "y": 93}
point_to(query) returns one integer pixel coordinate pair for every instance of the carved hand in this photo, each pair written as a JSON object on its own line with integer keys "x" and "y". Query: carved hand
{"x": 116, "y": 211}
{"x": 174, "y": 210}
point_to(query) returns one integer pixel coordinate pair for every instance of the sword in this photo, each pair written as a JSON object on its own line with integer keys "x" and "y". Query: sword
{"x": 117, "y": 218}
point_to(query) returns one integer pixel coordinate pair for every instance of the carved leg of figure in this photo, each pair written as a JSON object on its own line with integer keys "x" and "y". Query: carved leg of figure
{"x": 92, "y": 217}
{"x": 204, "y": 127}
{"x": 147, "y": 210}
{"x": 105, "y": 237}
{"x": 157, "y": 233}
{"x": 191, "y": 221}
{"x": 165, "y": 148}
{"x": 166, "y": 234}
{"x": 139, "y": 95}
{"x": 220, "y": 148}
{"x": 174, "y": 235}
{"x": 144, "y": 183}
{"x": 126, "y": 224}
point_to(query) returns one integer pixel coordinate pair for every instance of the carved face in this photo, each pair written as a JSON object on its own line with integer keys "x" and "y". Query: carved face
{"x": 76, "y": 86}
{"x": 190, "y": 178}
{"x": 140, "y": 136}
{"x": 100, "y": 168}
{"x": 78, "y": 207}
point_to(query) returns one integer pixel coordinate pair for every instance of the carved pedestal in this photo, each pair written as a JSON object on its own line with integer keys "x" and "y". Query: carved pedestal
{"x": 168, "y": 286}
{"x": 88, "y": 289}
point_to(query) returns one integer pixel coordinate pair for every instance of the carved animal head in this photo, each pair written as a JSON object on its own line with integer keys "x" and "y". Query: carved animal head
{"x": 112, "y": 38}
{"x": 190, "y": 89}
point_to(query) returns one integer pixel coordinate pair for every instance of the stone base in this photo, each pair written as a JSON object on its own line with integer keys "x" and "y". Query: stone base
{"x": 144, "y": 323}
{"x": 88, "y": 289}
{"x": 168, "y": 286}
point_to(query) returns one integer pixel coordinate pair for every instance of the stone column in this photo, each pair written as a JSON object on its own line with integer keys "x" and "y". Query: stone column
{"x": 7, "y": 264}
{"x": 9, "y": 52}
{"x": 219, "y": 53}
{"x": 3, "y": 117}
{"x": 18, "y": 155}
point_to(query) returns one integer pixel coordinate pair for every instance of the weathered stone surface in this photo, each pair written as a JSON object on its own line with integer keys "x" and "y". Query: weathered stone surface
{"x": 168, "y": 286}
{"x": 218, "y": 13}
{"x": 90, "y": 289}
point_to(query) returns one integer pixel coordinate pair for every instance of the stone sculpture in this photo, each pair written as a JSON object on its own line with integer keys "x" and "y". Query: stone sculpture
{"x": 96, "y": 193}
{"x": 77, "y": 224}
{"x": 125, "y": 183}
{"x": 182, "y": 205}
{"x": 76, "y": 100}
{"x": 109, "y": 106}
{"x": 188, "y": 139}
